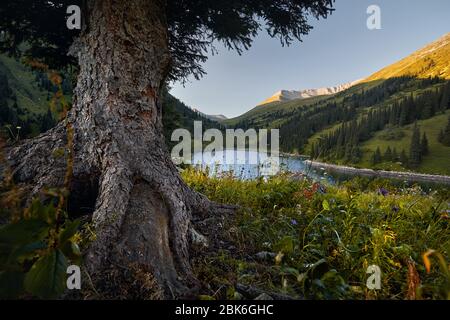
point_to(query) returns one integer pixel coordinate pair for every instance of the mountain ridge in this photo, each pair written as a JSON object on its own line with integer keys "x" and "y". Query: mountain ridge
{"x": 432, "y": 60}
{"x": 287, "y": 95}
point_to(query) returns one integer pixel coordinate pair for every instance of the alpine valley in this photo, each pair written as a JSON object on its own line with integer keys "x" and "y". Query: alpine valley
{"x": 396, "y": 119}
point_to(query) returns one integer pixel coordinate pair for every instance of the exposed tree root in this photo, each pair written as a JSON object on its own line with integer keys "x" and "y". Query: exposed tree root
{"x": 142, "y": 222}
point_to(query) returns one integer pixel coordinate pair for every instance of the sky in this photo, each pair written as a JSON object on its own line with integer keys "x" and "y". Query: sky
{"x": 338, "y": 50}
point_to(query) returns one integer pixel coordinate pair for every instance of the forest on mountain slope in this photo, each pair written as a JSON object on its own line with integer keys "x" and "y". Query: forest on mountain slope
{"x": 28, "y": 105}
{"x": 340, "y": 128}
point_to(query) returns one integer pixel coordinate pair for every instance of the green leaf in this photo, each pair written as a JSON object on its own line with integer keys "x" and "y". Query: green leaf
{"x": 24, "y": 231}
{"x": 326, "y": 205}
{"x": 23, "y": 252}
{"x": 285, "y": 245}
{"x": 69, "y": 231}
{"x": 71, "y": 251}
{"x": 290, "y": 271}
{"x": 11, "y": 284}
{"x": 46, "y": 278}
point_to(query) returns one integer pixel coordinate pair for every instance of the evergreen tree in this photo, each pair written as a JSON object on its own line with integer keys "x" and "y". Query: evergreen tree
{"x": 403, "y": 116}
{"x": 356, "y": 154}
{"x": 388, "y": 154}
{"x": 441, "y": 136}
{"x": 404, "y": 159}
{"x": 394, "y": 155}
{"x": 47, "y": 122}
{"x": 376, "y": 158}
{"x": 446, "y": 134}
{"x": 348, "y": 153}
{"x": 313, "y": 151}
{"x": 424, "y": 145}
{"x": 445, "y": 97}
{"x": 415, "y": 151}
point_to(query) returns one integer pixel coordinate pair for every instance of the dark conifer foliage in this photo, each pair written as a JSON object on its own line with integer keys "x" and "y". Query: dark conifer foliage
{"x": 194, "y": 26}
{"x": 444, "y": 137}
{"x": 424, "y": 145}
{"x": 376, "y": 157}
{"x": 404, "y": 158}
{"x": 415, "y": 150}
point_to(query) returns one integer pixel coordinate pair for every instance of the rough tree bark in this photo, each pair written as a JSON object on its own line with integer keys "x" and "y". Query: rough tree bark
{"x": 143, "y": 209}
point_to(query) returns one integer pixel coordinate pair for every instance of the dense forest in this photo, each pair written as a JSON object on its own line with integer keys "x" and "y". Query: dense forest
{"x": 18, "y": 122}
{"x": 344, "y": 142}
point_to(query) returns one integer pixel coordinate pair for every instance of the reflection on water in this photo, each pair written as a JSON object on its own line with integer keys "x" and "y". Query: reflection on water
{"x": 245, "y": 164}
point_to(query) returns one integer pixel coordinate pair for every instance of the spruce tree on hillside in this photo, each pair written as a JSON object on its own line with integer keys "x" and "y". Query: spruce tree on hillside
{"x": 404, "y": 159}
{"x": 394, "y": 155}
{"x": 424, "y": 145}
{"x": 403, "y": 116}
{"x": 356, "y": 154}
{"x": 445, "y": 97}
{"x": 441, "y": 136}
{"x": 388, "y": 154}
{"x": 47, "y": 122}
{"x": 446, "y": 134}
{"x": 376, "y": 158}
{"x": 415, "y": 151}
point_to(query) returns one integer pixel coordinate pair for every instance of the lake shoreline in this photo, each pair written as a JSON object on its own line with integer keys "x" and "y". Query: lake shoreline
{"x": 370, "y": 173}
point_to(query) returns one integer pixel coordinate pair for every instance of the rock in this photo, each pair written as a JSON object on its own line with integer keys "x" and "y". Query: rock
{"x": 265, "y": 255}
{"x": 297, "y": 177}
{"x": 238, "y": 296}
{"x": 199, "y": 239}
{"x": 263, "y": 296}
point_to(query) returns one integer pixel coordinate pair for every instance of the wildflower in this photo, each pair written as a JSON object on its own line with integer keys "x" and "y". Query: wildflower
{"x": 294, "y": 222}
{"x": 395, "y": 209}
{"x": 383, "y": 192}
{"x": 322, "y": 189}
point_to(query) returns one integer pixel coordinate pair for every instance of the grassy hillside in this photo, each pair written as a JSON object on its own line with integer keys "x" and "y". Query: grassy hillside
{"x": 23, "y": 84}
{"x": 430, "y": 61}
{"x": 437, "y": 162}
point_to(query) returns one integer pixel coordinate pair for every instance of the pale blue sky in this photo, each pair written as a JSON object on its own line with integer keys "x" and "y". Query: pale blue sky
{"x": 339, "y": 49}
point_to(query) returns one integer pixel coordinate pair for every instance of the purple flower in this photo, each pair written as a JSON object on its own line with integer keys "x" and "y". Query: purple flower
{"x": 322, "y": 189}
{"x": 395, "y": 209}
{"x": 294, "y": 222}
{"x": 383, "y": 192}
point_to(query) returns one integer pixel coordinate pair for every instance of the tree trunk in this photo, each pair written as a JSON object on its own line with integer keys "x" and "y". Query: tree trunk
{"x": 143, "y": 209}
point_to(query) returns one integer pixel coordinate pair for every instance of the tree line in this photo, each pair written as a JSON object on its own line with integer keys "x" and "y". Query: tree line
{"x": 343, "y": 143}
{"x": 305, "y": 121}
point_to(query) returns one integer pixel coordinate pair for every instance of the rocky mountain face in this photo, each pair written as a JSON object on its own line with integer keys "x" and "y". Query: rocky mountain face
{"x": 287, "y": 95}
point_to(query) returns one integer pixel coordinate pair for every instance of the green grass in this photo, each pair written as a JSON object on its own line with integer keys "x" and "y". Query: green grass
{"x": 323, "y": 241}
{"x": 437, "y": 162}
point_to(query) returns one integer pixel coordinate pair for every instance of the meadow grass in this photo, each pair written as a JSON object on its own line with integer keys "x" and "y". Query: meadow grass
{"x": 319, "y": 240}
